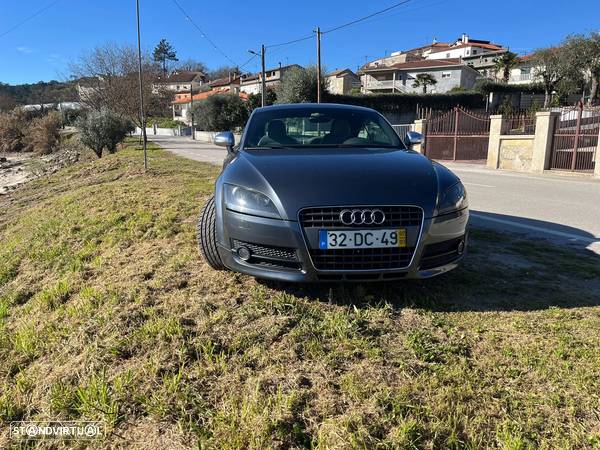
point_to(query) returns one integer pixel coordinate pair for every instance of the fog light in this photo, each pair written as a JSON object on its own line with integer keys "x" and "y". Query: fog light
{"x": 244, "y": 253}
{"x": 461, "y": 247}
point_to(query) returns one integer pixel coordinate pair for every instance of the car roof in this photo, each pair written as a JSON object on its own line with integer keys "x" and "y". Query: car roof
{"x": 316, "y": 106}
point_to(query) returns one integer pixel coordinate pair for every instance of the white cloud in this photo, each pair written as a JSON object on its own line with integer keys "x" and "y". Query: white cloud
{"x": 24, "y": 49}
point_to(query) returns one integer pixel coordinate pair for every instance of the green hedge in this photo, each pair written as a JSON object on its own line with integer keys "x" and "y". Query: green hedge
{"x": 400, "y": 103}
{"x": 485, "y": 87}
{"x": 163, "y": 122}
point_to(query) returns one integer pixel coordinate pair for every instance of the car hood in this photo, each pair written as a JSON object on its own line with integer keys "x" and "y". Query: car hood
{"x": 295, "y": 179}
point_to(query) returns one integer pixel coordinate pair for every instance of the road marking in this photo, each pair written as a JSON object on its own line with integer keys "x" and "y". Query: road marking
{"x": 477, "y": 184}
{"x": 577, "y": 237}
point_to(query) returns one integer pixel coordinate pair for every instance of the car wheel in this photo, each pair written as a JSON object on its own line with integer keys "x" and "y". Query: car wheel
{"x": 207, "y": 235}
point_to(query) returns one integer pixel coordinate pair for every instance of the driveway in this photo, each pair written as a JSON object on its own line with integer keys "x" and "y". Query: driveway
{"x": 562, "y": 209}
{"x": 188, "y": 148}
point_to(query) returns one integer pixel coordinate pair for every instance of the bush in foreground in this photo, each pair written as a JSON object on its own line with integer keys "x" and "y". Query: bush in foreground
{"x": 220, "y": 112}
{"x": 103, "y": 130}
{"x": 43, "y": 135}
{"x": 11, "y": 132}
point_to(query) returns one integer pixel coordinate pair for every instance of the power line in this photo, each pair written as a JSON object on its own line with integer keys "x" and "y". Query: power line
{"x": 27, "y": 19}
{"x": 311, "y": 36}
{"x": 248, "y": 61}
{"x": 366, "y": 17}
{"x": 202, "y": 33}
{"x": 293, "y": 41}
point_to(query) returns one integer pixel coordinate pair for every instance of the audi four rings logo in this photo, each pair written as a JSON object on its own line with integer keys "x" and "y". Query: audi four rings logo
{"x": 362, "y": 217}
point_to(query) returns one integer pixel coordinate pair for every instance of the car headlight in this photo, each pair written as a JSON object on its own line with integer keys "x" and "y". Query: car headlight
{"x": 249, "y": 202}
{"x": 453, "y": 199}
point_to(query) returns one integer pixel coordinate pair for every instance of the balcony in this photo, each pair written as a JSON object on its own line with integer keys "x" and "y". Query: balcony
{"x": 521, "y": 78}
{"x": 388, "y": 85}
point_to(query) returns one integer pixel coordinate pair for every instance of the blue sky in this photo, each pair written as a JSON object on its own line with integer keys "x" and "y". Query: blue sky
{"x": 42, "y": 48}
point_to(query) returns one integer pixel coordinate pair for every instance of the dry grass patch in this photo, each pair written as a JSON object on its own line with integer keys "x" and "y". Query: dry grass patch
{"x": 108, "y": 314}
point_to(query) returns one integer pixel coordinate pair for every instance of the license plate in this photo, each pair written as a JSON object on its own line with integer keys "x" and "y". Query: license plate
{"x": 362, "y": 238}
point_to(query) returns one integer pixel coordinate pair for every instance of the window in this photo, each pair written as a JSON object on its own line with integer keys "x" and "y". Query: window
{"x": 446, "y": 74}
{"x": 319, "y": 127}
{"x": 474, "y": 52}
{"x": 447, "y": 55}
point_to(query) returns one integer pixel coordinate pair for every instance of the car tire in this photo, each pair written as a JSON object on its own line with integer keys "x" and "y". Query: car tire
{"x": 207, "y": 235}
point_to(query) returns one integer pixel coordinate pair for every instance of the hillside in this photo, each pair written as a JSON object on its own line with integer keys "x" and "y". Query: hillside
{"x": 35, "y": 93}
{"x": 108, "y": 314}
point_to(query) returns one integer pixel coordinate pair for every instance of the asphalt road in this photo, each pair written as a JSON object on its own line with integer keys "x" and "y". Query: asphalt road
{"x": 562, "y": 209}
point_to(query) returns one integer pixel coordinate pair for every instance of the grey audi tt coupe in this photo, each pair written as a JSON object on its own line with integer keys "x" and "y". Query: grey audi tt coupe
{"x": 324, "y": 192}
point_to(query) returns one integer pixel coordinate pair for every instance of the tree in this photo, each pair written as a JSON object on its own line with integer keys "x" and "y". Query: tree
{"x": 12, "y": 131}
{"x": 220, "y": 112}
{"x": 254, "y": 100}
{"x": 164, "y": 52}
{"x": 584, "y": 52}
{"x": 223, "y": 72}
{"x": 112, "y": 74}
{"x": 551, "y": 65}
{"x": 191, "y": 65}
{"x": 299, "y": 85}
{"x": 505, "y": 63}
{"x": 423, "y": 80}
{"x": 100, "y": 130}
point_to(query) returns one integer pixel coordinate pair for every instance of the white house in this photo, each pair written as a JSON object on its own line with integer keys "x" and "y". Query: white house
{"x": 180, "y": 81}
{"x": 251, "y": 83}
{"x": 399, "y": 78}
{"x": 342, "y": 81}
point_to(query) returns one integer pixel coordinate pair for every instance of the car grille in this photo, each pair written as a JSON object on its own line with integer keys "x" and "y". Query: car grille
{"x": 364, "y": 258}
{"x": 269, "y": 256}
{"x": 440, "y": 254}
{"x": 395, "y": 216}
{"x": 361, "y": 258}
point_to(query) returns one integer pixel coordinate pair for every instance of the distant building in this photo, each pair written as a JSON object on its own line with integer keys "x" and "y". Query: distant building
{"x": 182, "y": 103}
{"x": 180, "y": 81}
{"x": 480, "y": 55}
{"x": 399, "y": 78}
{"x": 342, "y": 81}
{"x": 251, "y": 83}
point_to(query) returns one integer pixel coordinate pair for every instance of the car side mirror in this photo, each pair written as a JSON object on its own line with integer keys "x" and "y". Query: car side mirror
{"x": 225, "y": 139}
{"x": 414, "y": 138}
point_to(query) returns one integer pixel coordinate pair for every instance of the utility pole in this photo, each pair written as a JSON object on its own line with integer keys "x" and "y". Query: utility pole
{"x": 142, "y": 119}
{"x": 263, "y": 83}
{"x": 192, "y": 108}
{"x": 318, "y": 64}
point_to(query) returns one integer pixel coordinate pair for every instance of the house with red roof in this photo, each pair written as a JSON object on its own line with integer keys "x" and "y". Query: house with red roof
{"x": 183, "y": 100}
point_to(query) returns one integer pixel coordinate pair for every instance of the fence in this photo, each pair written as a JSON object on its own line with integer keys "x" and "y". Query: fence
{"x": 458, "y": 134}
{"x": 518, "y": 124}
{"x": 402, "y": 129}
{"x": 575, "y": 139}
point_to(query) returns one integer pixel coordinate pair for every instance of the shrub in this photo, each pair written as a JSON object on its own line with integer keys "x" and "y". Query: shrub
{"x": 12, "y": 127}
{"x": 299, "y": 85}
{"x": 220, "y": 112}
{"x": 254, "y": 100}
{"x": 43, "y": 134}
{"x": 163, "y": 122}
{"x": 103, "y": 130}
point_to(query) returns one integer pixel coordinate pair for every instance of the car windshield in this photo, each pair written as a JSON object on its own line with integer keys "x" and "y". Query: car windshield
{"x": 319, "y": 127}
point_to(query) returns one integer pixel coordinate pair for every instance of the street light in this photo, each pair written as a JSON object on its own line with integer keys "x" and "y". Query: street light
{"x": 263, "y": 85}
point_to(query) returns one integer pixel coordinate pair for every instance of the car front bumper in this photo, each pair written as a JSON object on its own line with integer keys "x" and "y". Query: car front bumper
{"x": 282, "y": 238}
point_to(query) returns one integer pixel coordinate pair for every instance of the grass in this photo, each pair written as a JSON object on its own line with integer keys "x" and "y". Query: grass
{"x": 107, "y": 313}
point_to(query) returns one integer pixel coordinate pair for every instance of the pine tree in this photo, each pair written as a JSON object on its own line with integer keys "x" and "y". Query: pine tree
{"x": 164, "y": 52}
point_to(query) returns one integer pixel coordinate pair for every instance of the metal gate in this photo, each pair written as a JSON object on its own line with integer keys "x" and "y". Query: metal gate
{"x": 458, "y": 134}
{"x": 575, "y": 140}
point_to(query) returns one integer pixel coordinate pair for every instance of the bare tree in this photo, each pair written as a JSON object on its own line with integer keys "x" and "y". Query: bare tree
{"x": 111, "y": 76}
{"x": 192, "y": 65}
